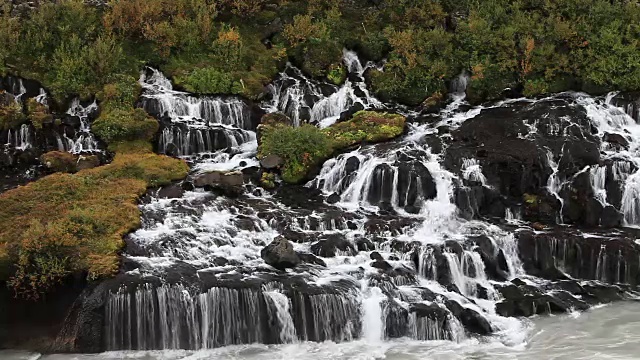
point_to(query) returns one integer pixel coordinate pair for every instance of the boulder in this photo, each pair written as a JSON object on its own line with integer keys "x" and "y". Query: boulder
{"x": 280, "y": 254}
{"x": 271, "y": 162}
{"x": 331, "y": 244}
{"x": 87, "y": 162}
{"x": 230, "y": 183}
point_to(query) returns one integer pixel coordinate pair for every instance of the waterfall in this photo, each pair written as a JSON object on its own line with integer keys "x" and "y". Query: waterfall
{"x": 384, "y": 250}
{"x": 196, "y": 125}
{"x": 282, "y": 306}
{"x": 306, "y": 100}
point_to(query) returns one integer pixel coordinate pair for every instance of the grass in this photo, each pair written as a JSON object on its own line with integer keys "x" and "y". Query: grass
{"x": 65, "y": 224}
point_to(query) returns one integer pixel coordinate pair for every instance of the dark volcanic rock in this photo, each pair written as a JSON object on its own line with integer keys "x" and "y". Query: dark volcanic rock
{"x": 280, "y": 254}
{"x": 330, "y": 244}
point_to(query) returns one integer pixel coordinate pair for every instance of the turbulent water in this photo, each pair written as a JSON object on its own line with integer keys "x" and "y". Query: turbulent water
{"x": 409, "y": 248}
{"x": 609, "y": 332}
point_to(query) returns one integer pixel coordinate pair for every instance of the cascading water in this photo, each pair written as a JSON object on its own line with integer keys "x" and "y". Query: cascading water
{"x": 391, "y": 257}
{"x": 306, "y": 100}
{"x": 196, "y": 125}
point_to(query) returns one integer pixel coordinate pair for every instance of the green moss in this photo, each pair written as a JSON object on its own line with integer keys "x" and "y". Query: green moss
{"x": 117, "y": 125}
{"x": 369, "y": 126}
{"x": 59, "y": 161}
{"x": 64, "y": 224}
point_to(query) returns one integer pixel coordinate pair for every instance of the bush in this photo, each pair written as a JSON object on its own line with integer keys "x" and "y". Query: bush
{"x": 64, "y": 224}
{"x": 38, "y": 113}
{"x": 209, "y": 81}
{"x": 118, "y": 125}
{"x": 121, "y": 93}
{"x": 301, "y": 148}
{"x": 11, "y": 115}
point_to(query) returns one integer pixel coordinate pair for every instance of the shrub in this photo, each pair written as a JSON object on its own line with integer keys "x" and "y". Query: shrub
{"x": 121, "y": 93}
{"x": 11, "y": 115}
{"x": 118, "y": 125}
{"x": 301, "y": 148}
{"x": 38, "y": 113}
{"x": 209, "y": 81}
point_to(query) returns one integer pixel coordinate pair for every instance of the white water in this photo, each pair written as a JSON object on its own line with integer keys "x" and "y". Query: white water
{"x": 347, "y": 301}
{"x": 290, "y": 94}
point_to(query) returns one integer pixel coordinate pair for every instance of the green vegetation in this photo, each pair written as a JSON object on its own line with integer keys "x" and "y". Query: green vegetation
{"x": 64, "y": 224}
{"x": 306, "y": 147}
{"x": 38, "y": 114}
{"x": 369, "y": 126}
{"x": 301, "y": 148}
{"x": 120, "y": 125}
{"x": 11, "y": 115}
{"x": 59, "y": 161}
{"x": 532, "y": 47}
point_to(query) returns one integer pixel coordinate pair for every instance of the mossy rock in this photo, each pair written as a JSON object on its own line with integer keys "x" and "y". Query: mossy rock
{"x": 59, "y": 161}
{"x": 268, "y": 180}
{"x": 276, "y": 118}
{"x": 369, "y": 126}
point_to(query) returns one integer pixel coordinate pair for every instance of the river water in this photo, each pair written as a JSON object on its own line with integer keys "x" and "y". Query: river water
{"x": 606, "y": 332}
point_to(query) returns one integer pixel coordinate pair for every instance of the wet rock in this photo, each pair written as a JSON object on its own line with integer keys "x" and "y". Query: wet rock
{"x": 280, "y": 254}
{"x": 270, "y": 162}
{"x": 311, "y": 259}
{"x": 617, "y": 141}
{"x": 333, "y": 198}
{"x": 376, "y": 256}
{"x": 382, "y": 265}
{"x": 471, "y": 319}
{"x": 230, "y": 183}
{"x": 173, "y": 191}
{"x": 331, "y": 244}
{"x": 364, "y": 244}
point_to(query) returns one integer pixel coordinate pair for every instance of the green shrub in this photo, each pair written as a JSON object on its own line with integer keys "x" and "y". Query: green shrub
{"x": 301, "y": 148}
{"x": 38, "y": 113}
{"x": 118, "y": 125}
{"x": 121, "y": 93}
{"x": 11, "y": 115}
{"x": 209, "y": 81}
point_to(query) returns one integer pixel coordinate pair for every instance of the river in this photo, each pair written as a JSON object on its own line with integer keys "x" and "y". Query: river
{"x": 606, "y": 332}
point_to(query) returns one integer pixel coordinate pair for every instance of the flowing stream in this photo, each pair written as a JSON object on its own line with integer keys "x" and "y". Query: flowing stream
{"x": 412, "y": 248}
{"x": 608, "y": 332}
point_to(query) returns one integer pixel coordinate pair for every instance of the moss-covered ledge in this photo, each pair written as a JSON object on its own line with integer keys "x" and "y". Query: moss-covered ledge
{"x": 304, "y": 148}
{"x": 66, "y": 224}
